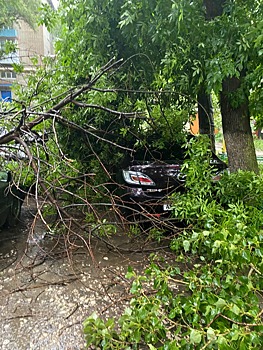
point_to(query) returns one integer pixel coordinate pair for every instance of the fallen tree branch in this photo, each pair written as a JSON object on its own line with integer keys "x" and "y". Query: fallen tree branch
{"x": 55, "y": 110}
{"x": 112, "y": 111}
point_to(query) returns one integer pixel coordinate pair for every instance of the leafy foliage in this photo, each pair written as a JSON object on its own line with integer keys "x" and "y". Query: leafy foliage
{"x": 166, "y": 46}
{"x": 13, "y": 10}
{"x": 91, "y": 34}
{"x": 216, "y": 304}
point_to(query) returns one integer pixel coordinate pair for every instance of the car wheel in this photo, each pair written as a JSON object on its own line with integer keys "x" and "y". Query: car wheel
{"x": 14, "y": 213}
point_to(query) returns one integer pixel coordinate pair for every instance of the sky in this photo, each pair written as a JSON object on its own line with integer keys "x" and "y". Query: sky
{"x": 55, "y": 2}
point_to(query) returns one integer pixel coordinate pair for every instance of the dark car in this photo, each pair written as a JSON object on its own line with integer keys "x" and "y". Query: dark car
{"x": 11, "y": 200}
{"x": 148, "y": 184}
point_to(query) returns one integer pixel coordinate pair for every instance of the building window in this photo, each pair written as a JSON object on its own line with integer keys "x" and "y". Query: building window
{"x": 8, "y": 74}
{"x": 11, "y": 55}
{"x": 6, "y": 96}
{"x": 3, "y": 43}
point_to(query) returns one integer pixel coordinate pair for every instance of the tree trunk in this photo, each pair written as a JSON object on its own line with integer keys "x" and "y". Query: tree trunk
{"x": 206, "y": 116}
{"x": 213, "y": 8}
{"x": 237, "y": 130}
{"x": 235, "y": 119}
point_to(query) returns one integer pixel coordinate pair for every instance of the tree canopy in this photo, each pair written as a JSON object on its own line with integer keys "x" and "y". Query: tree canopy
{"x": 177, "y": 46}
{"x": 13, "y": 10}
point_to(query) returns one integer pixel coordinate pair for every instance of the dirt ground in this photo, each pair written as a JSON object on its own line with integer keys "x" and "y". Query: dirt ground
{"x": 46, "y": 292}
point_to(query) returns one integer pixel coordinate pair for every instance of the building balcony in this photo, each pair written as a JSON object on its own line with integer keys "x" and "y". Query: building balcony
{"x": 10, "y": 59}
{"x": 8, "y": 33}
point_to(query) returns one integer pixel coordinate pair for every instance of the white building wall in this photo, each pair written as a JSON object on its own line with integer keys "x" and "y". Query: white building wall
{"x": 31, "y": 42}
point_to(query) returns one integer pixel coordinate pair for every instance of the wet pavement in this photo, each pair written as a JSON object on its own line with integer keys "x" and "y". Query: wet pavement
{"x": 47, "y": 290}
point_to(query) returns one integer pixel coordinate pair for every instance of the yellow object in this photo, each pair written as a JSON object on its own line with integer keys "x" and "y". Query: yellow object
{"x": 224, "y": 146}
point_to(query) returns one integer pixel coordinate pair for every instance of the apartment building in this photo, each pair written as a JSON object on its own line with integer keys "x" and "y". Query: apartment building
{"x": 30, "y": 42}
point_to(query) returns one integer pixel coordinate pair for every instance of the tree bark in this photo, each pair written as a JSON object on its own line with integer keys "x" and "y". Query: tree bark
{"x": 236, "y": 129}
{"x": 235, "y": 118}
{"x": 206, "y": 116}
{"x": 213, "y": 8}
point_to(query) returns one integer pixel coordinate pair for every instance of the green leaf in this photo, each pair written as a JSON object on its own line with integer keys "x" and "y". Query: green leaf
{"x": 151, "y": 347}
{"x": 246, "y": 255}
{"x": 210, "y": 334}
{"x": 186, "y": 245}
{"x": 130, "y": 273}
{"x": 137, "y": 335}
{"x": 220, "y": 303}
{"x": 235, "y": 309}
{"x": 195, "y": 336}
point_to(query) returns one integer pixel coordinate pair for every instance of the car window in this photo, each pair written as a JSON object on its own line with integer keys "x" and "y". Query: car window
{"x": 3, "y": 176}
